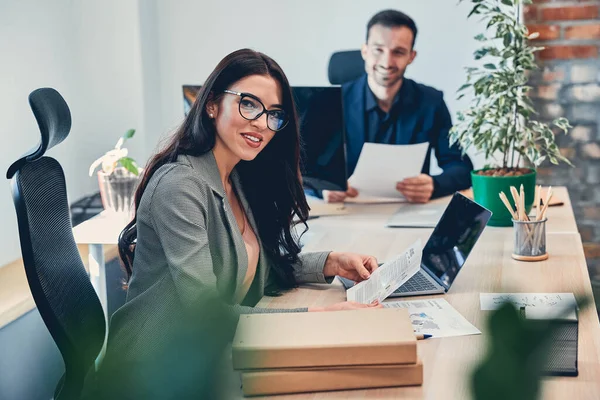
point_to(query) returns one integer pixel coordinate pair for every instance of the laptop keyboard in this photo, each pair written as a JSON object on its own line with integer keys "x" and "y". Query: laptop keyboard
{"x": 417, "y": 283}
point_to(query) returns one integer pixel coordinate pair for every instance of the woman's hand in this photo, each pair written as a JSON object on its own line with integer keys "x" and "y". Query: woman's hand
{"x": 346, "y": 305}
{"x": 356, "y": 267}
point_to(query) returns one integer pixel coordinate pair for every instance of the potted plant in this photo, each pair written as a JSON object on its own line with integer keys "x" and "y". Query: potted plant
{"x": 118, "y": 177}
{"x": 499, "y": 121}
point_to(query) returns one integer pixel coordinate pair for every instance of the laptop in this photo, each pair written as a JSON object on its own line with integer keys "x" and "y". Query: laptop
{"x": 447, "y": 248}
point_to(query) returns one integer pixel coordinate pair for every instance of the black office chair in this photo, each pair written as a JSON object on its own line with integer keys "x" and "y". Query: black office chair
{"x": 345, "y": 66}
{"x": 57, "y": 277}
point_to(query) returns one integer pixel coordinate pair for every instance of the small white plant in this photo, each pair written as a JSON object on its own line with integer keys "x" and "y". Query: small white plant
{"x": 117, "y": 157}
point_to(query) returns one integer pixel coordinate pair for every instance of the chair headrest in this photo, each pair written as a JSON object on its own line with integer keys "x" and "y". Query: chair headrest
{"x": 345, "y": 66}
{"x": 54, "y": 120}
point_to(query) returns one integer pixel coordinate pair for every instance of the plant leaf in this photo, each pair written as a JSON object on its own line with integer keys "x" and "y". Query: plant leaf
{"x": 129, "y": 134}
{"x": 129, "y": 164}
{"x": 475, "y": 10}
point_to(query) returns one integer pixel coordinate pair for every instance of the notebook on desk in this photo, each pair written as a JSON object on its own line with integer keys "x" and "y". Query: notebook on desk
{"x": 562, "y": 350}
{"x": 447, "y": 249}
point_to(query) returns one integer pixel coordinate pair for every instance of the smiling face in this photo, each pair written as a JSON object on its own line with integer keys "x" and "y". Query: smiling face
{"x": 387, "y": 54}
{"x": 237, "y": 137}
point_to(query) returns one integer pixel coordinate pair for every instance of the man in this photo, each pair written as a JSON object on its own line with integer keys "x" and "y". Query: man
{"x": 383, "y": 106}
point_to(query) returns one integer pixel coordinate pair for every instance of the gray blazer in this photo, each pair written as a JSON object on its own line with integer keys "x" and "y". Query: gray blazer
{"x": 189, "y": 243}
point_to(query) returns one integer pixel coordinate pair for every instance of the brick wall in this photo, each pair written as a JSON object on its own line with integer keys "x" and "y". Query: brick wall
{"x": 568, "y": 84}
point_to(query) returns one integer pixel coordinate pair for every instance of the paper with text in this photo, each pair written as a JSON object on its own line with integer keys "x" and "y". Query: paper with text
{"x": 435, "y": 317}
{"x": 381, "y": 166}
{"x": 492, "y": 301}
{"x": 389, "y": 277}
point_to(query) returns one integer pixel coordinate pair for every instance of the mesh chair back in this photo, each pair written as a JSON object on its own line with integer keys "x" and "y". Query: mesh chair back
{"x": 345, "y": 66}
{"x": 55, "y": 272}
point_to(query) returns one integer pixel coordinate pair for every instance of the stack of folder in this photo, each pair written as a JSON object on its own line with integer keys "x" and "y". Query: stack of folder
{"x": 321, "y": 351}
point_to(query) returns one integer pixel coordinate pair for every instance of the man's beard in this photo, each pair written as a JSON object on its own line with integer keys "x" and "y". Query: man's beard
{"x": 389, "y": 81}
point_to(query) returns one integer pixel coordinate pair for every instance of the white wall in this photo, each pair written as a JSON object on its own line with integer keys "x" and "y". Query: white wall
{"x": 301, "y": 35}
{"x": 121, "y": 64}
{"x": 89, "y": 51}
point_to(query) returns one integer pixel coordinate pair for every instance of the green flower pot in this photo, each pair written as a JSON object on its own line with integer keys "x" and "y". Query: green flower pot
{"x": 486, "y": 191}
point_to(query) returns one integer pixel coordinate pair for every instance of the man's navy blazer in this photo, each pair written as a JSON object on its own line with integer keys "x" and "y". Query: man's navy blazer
{"x": 422, "y": 117}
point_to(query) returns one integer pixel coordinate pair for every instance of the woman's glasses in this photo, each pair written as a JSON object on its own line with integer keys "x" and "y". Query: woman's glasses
{"x": 251, "y": 108}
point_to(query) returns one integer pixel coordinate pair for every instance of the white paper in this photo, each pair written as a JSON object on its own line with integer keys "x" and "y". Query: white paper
{"x": 381, "y": 166}
{"x": 492, "y": 301}
{"x": 388, "y": 277}
{"x": 435, "y": 317}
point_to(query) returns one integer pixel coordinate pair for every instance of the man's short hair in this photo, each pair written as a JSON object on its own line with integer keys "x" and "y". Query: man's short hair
{"x": 393, "y": 19}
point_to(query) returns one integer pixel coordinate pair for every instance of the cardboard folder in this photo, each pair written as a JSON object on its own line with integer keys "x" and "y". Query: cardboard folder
{"x": 320, "y": 379}
{"x": 317, "y": 339}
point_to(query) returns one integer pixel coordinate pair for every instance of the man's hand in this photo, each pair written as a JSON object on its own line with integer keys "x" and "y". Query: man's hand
{"x": 356, "y": 267}
{"x": 418, "y": 189}
{"x": 334, "y": 196}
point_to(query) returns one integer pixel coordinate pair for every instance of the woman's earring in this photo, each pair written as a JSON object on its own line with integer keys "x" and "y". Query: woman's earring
{"x": 211, "y": 115}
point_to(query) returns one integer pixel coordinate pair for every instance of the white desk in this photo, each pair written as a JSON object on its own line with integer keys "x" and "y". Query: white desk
{"x": 103, "y": 229}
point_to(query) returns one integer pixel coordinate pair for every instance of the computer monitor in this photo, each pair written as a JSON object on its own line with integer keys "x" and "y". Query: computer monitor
{"x": 190, "y": 92}
{"x": 323, "y": 139}
{"x": 322, "y": 132}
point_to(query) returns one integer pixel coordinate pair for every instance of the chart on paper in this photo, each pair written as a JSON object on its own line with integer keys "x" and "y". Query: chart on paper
{"x": 435, "y": 317}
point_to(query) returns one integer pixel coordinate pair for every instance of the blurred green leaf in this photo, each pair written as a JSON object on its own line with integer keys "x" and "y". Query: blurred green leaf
{"x": 129, "y": 134}
{"x": 516, "y": 355}
{"x": 129, "y": 164}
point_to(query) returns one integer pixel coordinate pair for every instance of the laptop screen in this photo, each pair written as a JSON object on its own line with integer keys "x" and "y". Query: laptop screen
{"x": 454, "y": 237}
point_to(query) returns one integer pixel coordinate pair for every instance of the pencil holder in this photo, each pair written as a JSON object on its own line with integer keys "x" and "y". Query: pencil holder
{"x": 529, "y": 240}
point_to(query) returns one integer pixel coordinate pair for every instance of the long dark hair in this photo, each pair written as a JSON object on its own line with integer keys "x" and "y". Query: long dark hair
{"x": 271, "y": 182}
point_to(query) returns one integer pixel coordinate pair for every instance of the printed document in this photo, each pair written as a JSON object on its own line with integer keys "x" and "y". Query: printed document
{"x": 492, "y": 301}
{"x": 435, "y": 317}
{"x": 381, "y": 166}
{"x": 388, "y": 277}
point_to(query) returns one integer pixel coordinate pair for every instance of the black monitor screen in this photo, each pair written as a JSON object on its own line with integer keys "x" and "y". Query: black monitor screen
{"x": 321, "y": 119}
{"x": 322, "y": 133}
{"x": 454, "y": 237}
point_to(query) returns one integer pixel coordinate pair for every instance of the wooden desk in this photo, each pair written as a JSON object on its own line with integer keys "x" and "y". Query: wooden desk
{"x": 448, "y": 361}
{"x": 374, "y": 216}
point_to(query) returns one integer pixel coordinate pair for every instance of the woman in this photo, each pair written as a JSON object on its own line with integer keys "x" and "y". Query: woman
{"x": 212, "y": 229}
